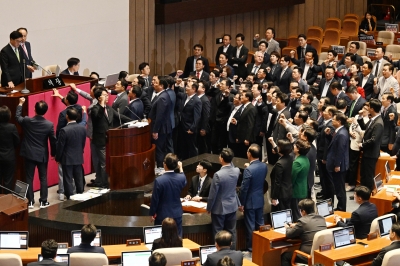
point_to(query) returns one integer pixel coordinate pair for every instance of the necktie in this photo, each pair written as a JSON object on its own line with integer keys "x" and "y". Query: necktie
{"x": 377, "y": 68}
{"x": 105, "y": 112}
{"x": 198, "y": 75}
{"x": 273, "y": 69}
{"x": 352, "y": 107}
{"x": 26, "y": 52}
{"x": 303, "y": 52}
{"x": 255, "y": 69}
{"x": 17, "y": 54}
{"x": 283, "y": 72}
{"x": 199, "y": 186}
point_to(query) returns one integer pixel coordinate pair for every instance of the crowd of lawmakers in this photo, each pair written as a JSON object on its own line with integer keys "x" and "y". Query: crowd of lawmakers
{"x": 266, "y": 111}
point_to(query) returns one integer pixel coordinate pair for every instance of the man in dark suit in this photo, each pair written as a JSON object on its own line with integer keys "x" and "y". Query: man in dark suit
{"x": 223, "y": 242}
{"x": 225, "y": 48}
{"x": 204, "y": 130}
{"x": 357, "y": 102}
{"x": 305, "y": 229}
{"x": 11, "y": 62}
{"x": 337, "y": 158}
{"x": 239, "y": 57}
{"x": 222, "y": 200}
{"x": 353, "y": 49}
{"x": 199, "y": 72}
{"x": 70, "y": 145}
{"x": 200, "y": 186}
{"x": 34, "y": 148}
{"x": 361, "y": 218}
{"x": 25, "y": 50}
{"x": 297, "y": 74}
{"x": 134, "y": 110}
{"x": 389, "y": 123}
{"x": 49, "y": 253}
{"x": 303, "y": 48}
{"x": 367, "y": 80}
{"x": 285, "y": 75}
{"x": 144, "y": 69}
{"x": 121, "y": 101}
{"x": 245, "y": 125}
{"x": 262, "y": 47}
{"x": 337, "y": 93}
{"x": 88, "y": 234}
{"x": 190, "y": 64}
{"x": 232, "y": 125}
{"x": 73, "y": 67}
{"x": 253, "y": 68}
{"x": 165, "y": 200}
{"x": 251, "y": 193}
{"x": 395, "y": 238}
{"x": 371, "y": 143}
{"x": 139, "y": 81}
{"x": 326, "y": 82}
{"x": 307, "y": 64}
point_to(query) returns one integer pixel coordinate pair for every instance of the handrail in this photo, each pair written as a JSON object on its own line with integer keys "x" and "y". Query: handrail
{"x": 392, "y": 18}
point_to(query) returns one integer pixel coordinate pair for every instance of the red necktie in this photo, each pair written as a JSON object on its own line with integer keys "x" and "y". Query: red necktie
{"x": 24, "y": 48}
{"x": 198, "y": 75}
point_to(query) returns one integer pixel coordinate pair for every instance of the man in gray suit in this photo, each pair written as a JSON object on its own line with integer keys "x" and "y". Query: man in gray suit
{"x": 121, "y": 102}
{"x": 269, "y": 38}
{"x": 379, "y": 62}
{"x": 305, "y": 229}
{"x": 223, "y": 241}
{"x": 223, "y": 201}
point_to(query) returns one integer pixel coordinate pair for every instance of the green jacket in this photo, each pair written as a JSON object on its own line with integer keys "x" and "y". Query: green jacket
{"x": 300, "y": 169}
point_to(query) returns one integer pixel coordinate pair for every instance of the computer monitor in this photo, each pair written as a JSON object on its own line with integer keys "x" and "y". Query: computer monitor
{"x": 59, "y": 258}
{"x": 280, "y": 218}
{"x": 378, "y": 182}
{"x": 21, "y": 189}
{"x": 150, "y": 233}
{"x": 76, "y": 238}
{"x": 204, "y": 251}
{"x": 14, "y": 240}
{"x": 133, "y": 258}
{"x": 344, "y": 237}
{"x": 388, "y": 171}
{"x": 325, "y": 208}
{"x": 385, "y": 224}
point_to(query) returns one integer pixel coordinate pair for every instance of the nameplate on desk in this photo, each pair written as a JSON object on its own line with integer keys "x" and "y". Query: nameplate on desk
{"x": 264, "y": 228}
{"x": 379, "y": 43}
{"x": 62, "y": 245}
{"x": 133, "y": 242}
{"x": 325, "y": 247}
{"x": 372, "y": 236}
{"x": 188, "y": 262}
{"x": 53, "y": 83}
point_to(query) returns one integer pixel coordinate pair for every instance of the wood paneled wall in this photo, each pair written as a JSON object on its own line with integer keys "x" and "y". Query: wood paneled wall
{"x": 173, "y": 42}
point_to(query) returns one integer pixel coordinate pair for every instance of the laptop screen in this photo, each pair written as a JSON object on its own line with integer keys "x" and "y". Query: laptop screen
{"x": 378, "y": 182}
{"x": 324, "y": 208}
{"x": 344, "y": 237}
{"x": 204, "y": 251}
{"x": 385, "y": 224}
{"x": 21, "y": 189}
{"x": 14, "y": 240}
{"x": 133, "y": 258}
{"x": 76, "y": 238}
{"x": 151, "y": 233}
{"x": 280, "y": 218}
{"x": 59, "y": 258}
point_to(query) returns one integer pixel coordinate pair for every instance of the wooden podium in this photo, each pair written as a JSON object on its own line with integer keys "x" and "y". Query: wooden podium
{"x": 13, "y": 213}
{"x": 130, "y": 157}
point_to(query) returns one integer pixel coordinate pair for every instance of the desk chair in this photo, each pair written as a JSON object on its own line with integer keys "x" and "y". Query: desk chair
{"x": 393, "y": 49}
{"x": 363, "y": 48}
{"x": 174, "y": 256}
{"x": 391, "y": 258}
{"x": 10, "y": 259}
{"x": 374, "y": 225}
{"x": 51, "y": 68}
{"x": 365, "y": 58}
{"x": 321, "y": 237}
{"x": 386, "y": 37}
{"x": 86, "y": 72}
{"x": 84, "y": 259}
{"x": 132, "y": 77}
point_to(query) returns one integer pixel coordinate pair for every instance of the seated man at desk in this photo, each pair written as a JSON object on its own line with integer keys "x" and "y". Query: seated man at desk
{"x": 49, "y": 253}
{"x": 200, "y": 185}
{"x": 223, "y": 242}
{"x": 395, "y": 238}
{"x": 363, "y": 216}
{"x": 157, "y": 259}
{"x": 305, "y": 229}
{"x": 88, "y": 233}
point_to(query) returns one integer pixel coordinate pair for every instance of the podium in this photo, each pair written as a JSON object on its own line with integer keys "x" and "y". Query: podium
{"x": 130, "y": 157}
{"x": 13, "y": 213}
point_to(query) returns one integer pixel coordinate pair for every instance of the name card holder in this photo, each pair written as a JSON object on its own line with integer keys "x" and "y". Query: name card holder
{"x": 325, "y": 247}
{"x": 372, "y": 236}
{"x": 62, "y": 245}
{"x": 133, "y": 242}
{"x": 189, "y": 262}
{"x": 264, "y": 228}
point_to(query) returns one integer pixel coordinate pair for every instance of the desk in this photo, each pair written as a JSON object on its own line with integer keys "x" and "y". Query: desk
{"x": 384, "y": 201}
{"x": 355, "y": 254}
{"x": 380, "y": 166}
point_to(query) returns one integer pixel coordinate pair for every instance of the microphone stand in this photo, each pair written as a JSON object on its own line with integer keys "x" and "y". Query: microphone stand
{"x": 25, "y": 90}
{"x": 48, "y": 72}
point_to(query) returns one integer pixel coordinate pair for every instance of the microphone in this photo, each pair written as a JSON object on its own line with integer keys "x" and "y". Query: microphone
{"x": 24, "y": 90}
{"x": 140, "y": 120}
{"x": 45, "y": 70}
{"x": 119, "y": 115}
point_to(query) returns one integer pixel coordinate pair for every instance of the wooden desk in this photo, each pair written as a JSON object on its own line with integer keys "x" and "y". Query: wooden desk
{"x": 355, "y": 254}
{"x": 384, "y": 201}
{"x": 380, "y": 166}
{"x": 191, "y": 209}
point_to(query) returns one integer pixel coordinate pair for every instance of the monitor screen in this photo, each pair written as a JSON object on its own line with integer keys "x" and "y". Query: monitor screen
{"x": 344, "y": 237}
{"x": 21, "y": 189}
{"x": 14, "y": 240}
{"x": 133, "y": 258}
{"x": 385, "y": 224}
{"x": 325, "y": 208}
{"x": 280, "y": 218}
{"x": 151, "y": 233}
{"x": 378, "y": 182}
{"x": 59, "y": 258}
{"x": 204, "y": 251}
{"x": 76, "y": 238}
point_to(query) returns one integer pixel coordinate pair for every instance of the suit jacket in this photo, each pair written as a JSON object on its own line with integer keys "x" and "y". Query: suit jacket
{"x": 232, "y": 128}
{"x": 281, "y": 178}
{"x": 246, "y": 123}
{"x": 368, "y": 86}
{"x": 240, "y": 61}
{"x": 309, "y": 48}
{"x": 322, "y": 140}
{"x": 120, "y": 102}
{"x": 312, "y": 72}
{"x": 11, "y": 68}
{"x": 190, "y": 113}
{"x": 312, "y": 157}
{"x": 380, "y": 67}
{"x": 250, "y": 66}
{"x": 341, "y": 95}
{"x": 9, "y": 141}
{"x": 204, "y": 75}
{"x": 28, "y": 58}
{"x": 358, "y": 61}
{"x": 37, "y": 132}
{"x": 279, "y": 131}
{"x": 372, "y": 137}
{"x": 85, "y": 248}
{"x": 189, "y": 66}
{"x": 136, "y": 107}
{"x": 272, "y": 45}
{"x": 283, "y": 81}
{"x": 66, "y": 72}
{"x": 358, "y": 105}
{"x": 205, "y": 188}
{"x": 220, "y": 107}
{"x": 384, "y": 85}
{"x": 361, "y": 218}
{"x": 220, "y": 50}
{"x": 146, "y": 102}
{"x": 338, "y": 151}
{"x": 236, "y": 256}
{"x": 47, "y": 262}
{"x": 62, "y": 117}
{"x": 223, "y": 198}
{"x": 321, "y": 86}
{"x": 160, "y": 114}
{"x": 70, "y": 144}
{"x": 305, "y": 229}
{"x": 173, "y": 111}
{"x": 165, "y": 200}
{"x": 379, "y": 259}
{"x": 389, "y": 127}
{"x": 275, "y": 73}
{"x": 205, "y": 114}
{"x": 251, "y": 193}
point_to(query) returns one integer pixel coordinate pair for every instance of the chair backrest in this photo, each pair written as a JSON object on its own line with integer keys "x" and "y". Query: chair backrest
{"x": 174, "y": 256}
{"x": 292, "y": 41}
{"x": 322, "y": 57}
{"x": 10, "y": 259}
{"x": 322, "y": 237}
{"x": 391, "y": 258}
{"x": 315, "y": 32}
{"x": 250, "y": 55}
{"x": 332, "y": 37}
{"x": 374, "y": 225}
{"x": 365, "y": 58}
{"x": 352, "y": 16}
{"x": 333, "y": 23}
{"x": 363, "y": 48}
{"x": 350, "y": 27}
{"x": 51, "y": 68}
{"x": 132, "y": 77}
{"x": 387, "y": 37}
{"x": 316, "y": 43}
{"x": 393, "y": 49}
{"x": 84, "y": 259}
{"x": 86, "y": 72}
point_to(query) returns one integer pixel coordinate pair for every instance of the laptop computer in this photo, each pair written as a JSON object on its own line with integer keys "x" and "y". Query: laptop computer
{"x": 325, "y": 209}
{"x": 204, "y": 251}
{"x": 59, "y": 258}
{"x": 385, "y": 224}
{"x": 14, "y": 240}
{"x": 21, "y": 189}
{"x": 344, "y": 237}
{"x": 133, "y": 258}
{"x": 378, "y": 182}
{"x": 111, "y": 80}
{"x": 76, "y": 238}
{"x": 280, "y": 218}
{"x": 151, "y": 233}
